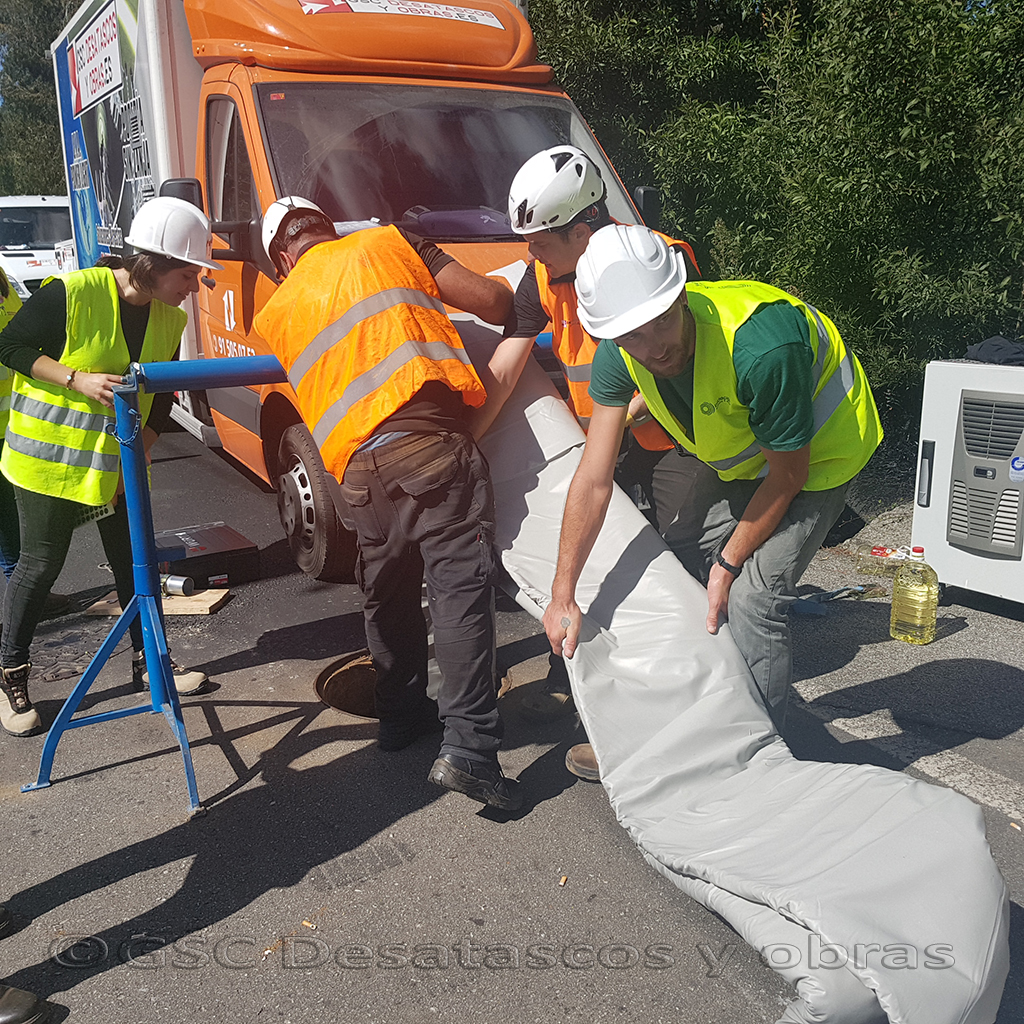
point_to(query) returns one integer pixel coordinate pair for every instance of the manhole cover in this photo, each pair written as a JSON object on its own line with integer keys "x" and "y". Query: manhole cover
{"x": 348, "y": 684}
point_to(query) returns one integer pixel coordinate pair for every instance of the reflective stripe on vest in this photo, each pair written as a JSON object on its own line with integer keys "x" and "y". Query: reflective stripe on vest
{"x": 77, "y": 418}
{"x": 366, "y": 383}
{"x": 370, "y": 306}
{"x": 372, "y": 332}
{"x": 57, "y": 441}
{"x": 103, "y": 462}
{"x": 846, "y": 429}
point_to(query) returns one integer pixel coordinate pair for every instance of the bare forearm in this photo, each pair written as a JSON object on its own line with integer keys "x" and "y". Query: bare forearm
{"x": 97, "y": 386}
{"x": 787, "y": 474}
{"x": 760, "y": 519}
{"x": 585, "y": 509}
{"x": 499, "y": 378}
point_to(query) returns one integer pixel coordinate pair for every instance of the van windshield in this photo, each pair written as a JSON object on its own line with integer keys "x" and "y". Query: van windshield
{"x": 437, "y": 161}
{"x": 33, "y": 227}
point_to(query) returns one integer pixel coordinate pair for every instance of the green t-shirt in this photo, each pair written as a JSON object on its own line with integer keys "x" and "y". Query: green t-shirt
{"x": 773, "y": 359}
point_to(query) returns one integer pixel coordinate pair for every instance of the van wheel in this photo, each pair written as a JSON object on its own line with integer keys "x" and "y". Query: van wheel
{"x": 320, "y": 544}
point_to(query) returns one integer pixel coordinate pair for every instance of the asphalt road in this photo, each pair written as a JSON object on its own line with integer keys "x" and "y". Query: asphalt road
{"x": 330, "y": 881}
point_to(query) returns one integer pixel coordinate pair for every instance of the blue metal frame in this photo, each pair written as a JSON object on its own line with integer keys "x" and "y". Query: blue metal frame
{"x": 193, "y": 374}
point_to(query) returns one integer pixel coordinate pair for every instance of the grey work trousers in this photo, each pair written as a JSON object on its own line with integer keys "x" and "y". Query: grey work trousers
{"x": 698, "y": 512}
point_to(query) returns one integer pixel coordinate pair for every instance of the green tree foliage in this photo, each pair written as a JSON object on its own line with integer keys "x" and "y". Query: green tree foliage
{"x": 30, "y": 147}
{"x": 865, "y": 154}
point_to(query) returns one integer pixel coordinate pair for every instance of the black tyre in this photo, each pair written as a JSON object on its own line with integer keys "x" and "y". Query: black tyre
{"x": 320, "y": 544}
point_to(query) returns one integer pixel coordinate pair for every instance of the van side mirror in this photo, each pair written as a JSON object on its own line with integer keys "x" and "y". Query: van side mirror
{"x": 648, "y": 202}
{"x": 188, "y": 189}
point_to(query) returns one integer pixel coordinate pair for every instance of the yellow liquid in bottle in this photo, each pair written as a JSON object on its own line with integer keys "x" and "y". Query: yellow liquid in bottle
{"x": 915, "y": 603}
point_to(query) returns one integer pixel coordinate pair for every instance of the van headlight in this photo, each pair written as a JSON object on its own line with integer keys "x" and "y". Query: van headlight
{"x": 19, "y": 289}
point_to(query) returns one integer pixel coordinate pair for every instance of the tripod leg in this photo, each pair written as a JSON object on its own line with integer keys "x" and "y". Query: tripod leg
{"x": 64, "y": 716}
{"x": 161, "y": 685}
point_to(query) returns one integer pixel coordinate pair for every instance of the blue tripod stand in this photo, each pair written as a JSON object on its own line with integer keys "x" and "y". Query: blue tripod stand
{"x": 194, "y": 374}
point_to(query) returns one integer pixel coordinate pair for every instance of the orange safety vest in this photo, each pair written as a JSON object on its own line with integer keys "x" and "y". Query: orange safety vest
{"x": 574, "y": 349}
{"x": 359, "y": 327}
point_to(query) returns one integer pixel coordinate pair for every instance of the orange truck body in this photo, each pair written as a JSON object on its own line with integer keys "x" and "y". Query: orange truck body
{"x": 416, "y": 113}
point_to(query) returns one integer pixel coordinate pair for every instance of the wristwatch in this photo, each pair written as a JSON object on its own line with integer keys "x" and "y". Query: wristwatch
{"x": 735, "y": 570}
{"x": 70, "y": 379}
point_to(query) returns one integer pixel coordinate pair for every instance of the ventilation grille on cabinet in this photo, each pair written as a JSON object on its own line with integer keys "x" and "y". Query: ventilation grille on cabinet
{"x": 984, "y": 515}
{"x": 992, "y": 429}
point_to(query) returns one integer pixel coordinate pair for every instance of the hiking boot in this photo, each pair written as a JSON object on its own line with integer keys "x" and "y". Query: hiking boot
{"x": 482, "y": 782}
{"x": 19, "y": 1007}
{"x": 582, "y": 762}
{"x": 398, "y": 733}
{"x": 17, "y": 716}
{"x": 186, "y": 681}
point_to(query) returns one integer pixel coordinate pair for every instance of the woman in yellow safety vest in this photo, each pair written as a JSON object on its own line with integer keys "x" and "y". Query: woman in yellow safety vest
{"x": 69, "y": 346}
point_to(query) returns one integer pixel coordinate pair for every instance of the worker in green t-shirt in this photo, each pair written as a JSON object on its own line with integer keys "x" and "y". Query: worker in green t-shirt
{"x": 760, "y": 387}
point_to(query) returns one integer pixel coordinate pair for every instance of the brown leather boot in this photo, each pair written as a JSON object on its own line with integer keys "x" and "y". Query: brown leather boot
{"x": 17, "y": 716}
{"x": 582, "y": 762}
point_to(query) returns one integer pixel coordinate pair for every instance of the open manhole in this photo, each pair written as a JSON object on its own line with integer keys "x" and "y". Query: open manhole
{"x": 348, "y": 684}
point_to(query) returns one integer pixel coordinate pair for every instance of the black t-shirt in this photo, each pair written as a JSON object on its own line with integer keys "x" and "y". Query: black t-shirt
{"x": 529, "y": 316}
{"x": 40, "y": 328}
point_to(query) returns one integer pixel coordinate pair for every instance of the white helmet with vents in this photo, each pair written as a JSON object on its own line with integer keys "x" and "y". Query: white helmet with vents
{"x": 551, "y": 188}
{"x": 276, "y": 213}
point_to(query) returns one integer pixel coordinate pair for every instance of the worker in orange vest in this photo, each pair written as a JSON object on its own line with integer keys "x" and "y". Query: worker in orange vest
{"x": 385, "y": 387}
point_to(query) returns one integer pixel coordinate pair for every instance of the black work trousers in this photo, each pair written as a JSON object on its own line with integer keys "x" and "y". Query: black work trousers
{"x": 47, "y": 525}
{"x": 422, "y": 505}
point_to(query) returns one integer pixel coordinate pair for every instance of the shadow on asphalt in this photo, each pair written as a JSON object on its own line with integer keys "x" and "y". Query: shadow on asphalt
{"x": 302, "y": 820}
{"x": 307, "y": 641}
{"x": 966, "y": 697}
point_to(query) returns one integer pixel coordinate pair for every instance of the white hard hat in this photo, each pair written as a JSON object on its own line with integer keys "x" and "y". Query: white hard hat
{"x": 172, "y": 227}
{"x": 551, "y": 188}
{"x": 627, "y": 277}
{"x": 276, "y": 213}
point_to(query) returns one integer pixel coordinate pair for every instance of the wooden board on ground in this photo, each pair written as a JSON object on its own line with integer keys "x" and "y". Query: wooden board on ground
{"x": 202, "y": 602}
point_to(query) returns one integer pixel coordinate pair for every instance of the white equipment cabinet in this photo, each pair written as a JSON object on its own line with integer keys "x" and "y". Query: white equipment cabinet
{"x": 970, "y": 476}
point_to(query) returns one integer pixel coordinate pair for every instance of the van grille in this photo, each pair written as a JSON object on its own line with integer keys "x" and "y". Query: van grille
{"x": 992, "y": 430}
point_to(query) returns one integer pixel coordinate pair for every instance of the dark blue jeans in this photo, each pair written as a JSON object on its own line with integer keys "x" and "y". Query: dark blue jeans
{"x": 422, "y": 506}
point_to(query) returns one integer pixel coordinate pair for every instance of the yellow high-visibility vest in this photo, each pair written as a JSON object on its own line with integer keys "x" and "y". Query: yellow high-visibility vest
{"x": 57, "y": 442}
{"x": 846, "y": 425}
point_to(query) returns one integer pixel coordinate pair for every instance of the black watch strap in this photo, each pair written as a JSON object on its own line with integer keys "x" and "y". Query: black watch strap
{"x": 735, "y": 570}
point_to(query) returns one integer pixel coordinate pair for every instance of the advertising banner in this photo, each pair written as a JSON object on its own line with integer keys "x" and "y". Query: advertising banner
{"x": 106, "y": 148}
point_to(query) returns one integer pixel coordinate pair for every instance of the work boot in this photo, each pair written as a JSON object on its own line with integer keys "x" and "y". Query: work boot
{"x": 186, "y": 681}
{"x": 17, "y": 716}
{"x": 479, "y": 781}
{"x": 16, "y": 1006}
{"x": 20, "y": 1007}
{"x": 582, "y": 762}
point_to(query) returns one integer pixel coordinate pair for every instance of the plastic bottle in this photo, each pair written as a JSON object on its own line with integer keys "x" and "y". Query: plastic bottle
{"x": 915, "y": 601}
{"x": 877, "y": 559}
